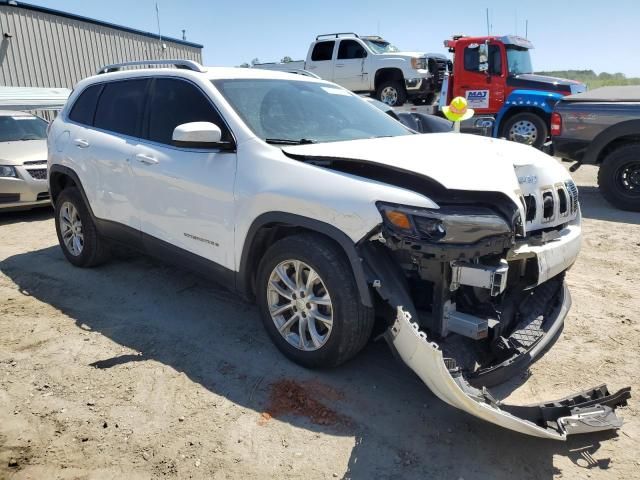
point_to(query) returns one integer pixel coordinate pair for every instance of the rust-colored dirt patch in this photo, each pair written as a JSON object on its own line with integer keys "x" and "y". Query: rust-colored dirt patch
{"x": 288, "y": 397}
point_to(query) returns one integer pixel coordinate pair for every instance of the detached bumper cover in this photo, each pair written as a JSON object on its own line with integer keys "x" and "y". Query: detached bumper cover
{"x": 588, "y": 411}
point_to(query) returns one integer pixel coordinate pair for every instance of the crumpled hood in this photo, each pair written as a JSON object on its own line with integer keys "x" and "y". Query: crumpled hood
{"x": 16, "y": 153}
{"x": 456, "y": 161}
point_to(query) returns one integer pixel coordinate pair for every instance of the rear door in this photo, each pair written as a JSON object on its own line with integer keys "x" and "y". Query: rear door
{"x": 105, "y": 128}
{"x": 350, "y": 66}
{"x": 185, "y": 194}
{"x": 320, "y": 61}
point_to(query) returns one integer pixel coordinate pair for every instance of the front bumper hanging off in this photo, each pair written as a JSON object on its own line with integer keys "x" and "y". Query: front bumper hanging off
{"x": 585, "y": 412}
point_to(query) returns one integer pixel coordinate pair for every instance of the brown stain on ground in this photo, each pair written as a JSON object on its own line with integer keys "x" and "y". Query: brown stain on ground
{"x": 288, "y": 397}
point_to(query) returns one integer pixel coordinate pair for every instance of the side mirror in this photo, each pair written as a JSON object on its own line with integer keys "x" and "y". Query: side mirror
{"x": 197, "y": 135}
{"x": 483, "y": 58}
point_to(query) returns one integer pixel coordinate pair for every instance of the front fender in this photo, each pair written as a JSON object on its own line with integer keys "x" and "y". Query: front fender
{"x": 526, "y": 99}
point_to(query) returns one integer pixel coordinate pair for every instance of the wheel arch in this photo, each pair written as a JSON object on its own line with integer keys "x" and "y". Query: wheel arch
{"x": 387, "y": 73}
{"x": 540, "y": 103}
{"x": 610, "y": 139}
{"x": 273, "y": 226}
{"x": 512, "y": 112}
{"x": 61, "y": 177}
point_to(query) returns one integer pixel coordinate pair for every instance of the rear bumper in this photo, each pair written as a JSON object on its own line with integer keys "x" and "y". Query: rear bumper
{"x": 570, "y": 149}
{"x": 25, "y": 191}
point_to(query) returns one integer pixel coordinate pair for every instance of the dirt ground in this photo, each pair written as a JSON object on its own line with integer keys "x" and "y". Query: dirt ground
{"x": 140, "y": 370}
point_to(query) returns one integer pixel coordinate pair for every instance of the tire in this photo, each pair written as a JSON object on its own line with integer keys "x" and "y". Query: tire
{"x": 619, "y": 177}
{"x": 91, "y": 250}
{"x": 393, "y": 93}
{"x": 352, "y": 322}
{"x": 532, "y": 128}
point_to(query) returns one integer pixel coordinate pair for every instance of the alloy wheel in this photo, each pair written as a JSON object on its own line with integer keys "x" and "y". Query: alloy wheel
{"x": 71, "y": 229}
{"x": 523, "y": 131}
{"x": 389, "y": 95}
{"x": 300, "y": 305}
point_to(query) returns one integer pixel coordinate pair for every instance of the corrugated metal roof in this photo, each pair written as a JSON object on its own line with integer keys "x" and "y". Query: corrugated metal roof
{"x": 96, "y": 22}
{"x": 28, "y": 98}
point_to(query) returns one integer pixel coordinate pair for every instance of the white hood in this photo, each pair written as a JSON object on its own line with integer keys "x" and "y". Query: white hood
{"x": 456, "y": 161}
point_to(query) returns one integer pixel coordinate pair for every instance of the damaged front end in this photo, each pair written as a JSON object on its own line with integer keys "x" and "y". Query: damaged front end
{"x": 474, "y": 299}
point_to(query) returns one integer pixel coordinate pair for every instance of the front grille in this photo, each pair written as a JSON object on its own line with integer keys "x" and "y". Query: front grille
{"x": 9, "y": 197}
{"x": 562, "y": 200}
{"x": 530, "y": 207}
{"x": 573, "y": 195}
{"x": 38, "y": 173}
{"x": 438, "y": 67}
{"x": 36, "y": 162}
{"x": 548, "y": 205}
{"x": 43, "y": 196}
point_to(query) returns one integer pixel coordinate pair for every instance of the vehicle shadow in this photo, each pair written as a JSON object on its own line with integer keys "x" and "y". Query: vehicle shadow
{"x": 20, "y": 216}
{"x": 593, "y": 205}
{"x": 401, "y": 430}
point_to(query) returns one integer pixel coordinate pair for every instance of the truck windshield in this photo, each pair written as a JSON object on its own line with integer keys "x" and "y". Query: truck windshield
{"x": 519, "y": 60}
{"x": 380, "y": 46}
{"x": 290, "y": 111}
{"x": 22, "y": 127}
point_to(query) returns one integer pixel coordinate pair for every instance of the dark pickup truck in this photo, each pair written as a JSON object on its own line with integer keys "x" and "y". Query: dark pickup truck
{"x": 602, "y": 127}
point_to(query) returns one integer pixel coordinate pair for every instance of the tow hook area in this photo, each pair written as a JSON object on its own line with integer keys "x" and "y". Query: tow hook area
{"x": 588, "y": 411}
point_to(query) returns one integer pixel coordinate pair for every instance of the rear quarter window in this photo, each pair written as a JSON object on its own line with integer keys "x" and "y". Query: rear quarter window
{"x": 322, "y": 51}
{"x": 84, "y": 107}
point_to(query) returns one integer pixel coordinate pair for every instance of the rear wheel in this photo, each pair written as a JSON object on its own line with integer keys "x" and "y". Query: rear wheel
{"x": 392, "y": 93}
{"x": 77, "y": 234}
{"x": 527, "y": 128}
{"x": 619, "y": 177}
{"x": 309, "y": 302}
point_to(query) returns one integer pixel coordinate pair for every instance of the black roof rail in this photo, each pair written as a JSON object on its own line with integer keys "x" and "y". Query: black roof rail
{"x": 336, "y": 35}
{"x": 184, "y": 64}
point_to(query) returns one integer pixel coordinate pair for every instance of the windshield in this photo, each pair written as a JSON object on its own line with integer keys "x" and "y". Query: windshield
{"x": 289, "y": 111}
{"x": 380, "y": 46}
{"x": 519, "y": 60}
{"x": 22, "y": 127}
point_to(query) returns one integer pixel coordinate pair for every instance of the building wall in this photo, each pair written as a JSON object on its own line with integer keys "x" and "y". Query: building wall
{"x": 48, "y": 50}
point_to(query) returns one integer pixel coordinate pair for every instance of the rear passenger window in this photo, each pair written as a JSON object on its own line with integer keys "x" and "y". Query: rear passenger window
{"x": 121, "y": 106}
{"x": 85, "y": 106}
{"x": 322, "y": 51}
{"x": 174, "y": 102}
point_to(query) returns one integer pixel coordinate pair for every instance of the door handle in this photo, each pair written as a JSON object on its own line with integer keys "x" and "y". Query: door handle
{"x": 339, "y": 65}
{"x": 146, "y": 159}
{"x": 81, "y": 143}
{"x": 311, "y": 67}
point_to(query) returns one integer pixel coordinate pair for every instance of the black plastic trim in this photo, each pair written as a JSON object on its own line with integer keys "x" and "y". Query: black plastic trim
{"x": 243, "y": 282}
{"x": 604, "y": 138}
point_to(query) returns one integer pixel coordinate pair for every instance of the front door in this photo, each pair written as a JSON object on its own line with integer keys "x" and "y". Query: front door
{"x": 186, "y": 194}
{"x": 350, "y": 67}
{"x": 484, "y": 90}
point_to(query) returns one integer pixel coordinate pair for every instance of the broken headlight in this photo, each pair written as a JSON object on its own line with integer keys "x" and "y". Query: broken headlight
{"x": 448, "y": 224}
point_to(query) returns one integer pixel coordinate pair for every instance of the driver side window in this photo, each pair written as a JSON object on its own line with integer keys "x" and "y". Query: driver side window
{"x": 472, "y": 59}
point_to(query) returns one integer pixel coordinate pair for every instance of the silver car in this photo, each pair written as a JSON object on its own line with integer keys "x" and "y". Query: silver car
{"x": 23, "y": 161}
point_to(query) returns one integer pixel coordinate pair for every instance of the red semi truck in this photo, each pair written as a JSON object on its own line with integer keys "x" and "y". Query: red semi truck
{"x": 495, "y": 75}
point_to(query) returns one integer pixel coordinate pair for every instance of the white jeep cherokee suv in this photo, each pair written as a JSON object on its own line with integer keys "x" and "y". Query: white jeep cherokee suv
{"x": 331, "y": 214}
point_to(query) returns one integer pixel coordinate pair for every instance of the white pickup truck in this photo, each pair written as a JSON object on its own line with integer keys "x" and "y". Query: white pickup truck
{"x": 371, "y": 65}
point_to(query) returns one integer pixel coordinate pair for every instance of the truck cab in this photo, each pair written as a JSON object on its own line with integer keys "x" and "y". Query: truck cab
{"x": 495, "y": 75}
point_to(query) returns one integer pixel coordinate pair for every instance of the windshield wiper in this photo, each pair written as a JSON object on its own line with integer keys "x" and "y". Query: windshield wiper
{"x": 287, "y": 141}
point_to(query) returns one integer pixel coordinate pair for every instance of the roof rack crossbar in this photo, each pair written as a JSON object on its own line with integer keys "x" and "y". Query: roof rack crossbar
{"x": 185, "y": 64}
{"x": 336, "y": 35}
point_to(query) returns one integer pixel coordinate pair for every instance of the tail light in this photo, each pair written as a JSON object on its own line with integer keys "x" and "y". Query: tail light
{"x": 556, "y": 124}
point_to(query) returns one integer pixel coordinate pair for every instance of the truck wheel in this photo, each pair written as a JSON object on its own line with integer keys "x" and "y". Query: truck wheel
{"x": 619, "y": 177}
{"x": 77, "y": 234}
{"x": 309, "y": 302}
{"x": 392, "y": 93}
{"x": 527, "y": 128}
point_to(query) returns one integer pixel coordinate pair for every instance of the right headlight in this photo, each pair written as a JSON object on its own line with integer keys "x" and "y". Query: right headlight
{"x": 449, "y": 224}
{"x": 8, "y": 171}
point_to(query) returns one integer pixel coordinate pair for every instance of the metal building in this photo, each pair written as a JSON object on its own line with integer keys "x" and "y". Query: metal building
{"x": 40, "y": 47}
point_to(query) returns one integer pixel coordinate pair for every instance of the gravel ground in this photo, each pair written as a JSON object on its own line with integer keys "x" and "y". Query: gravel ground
{"x": 140, "y": 370}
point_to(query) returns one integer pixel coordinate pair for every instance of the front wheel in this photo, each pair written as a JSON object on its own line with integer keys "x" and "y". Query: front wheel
{"x": 392, "y": 93}
{"x": 309, "y": 302}
{"x": 619, "y": 177}
{"x": 527, "y": 128}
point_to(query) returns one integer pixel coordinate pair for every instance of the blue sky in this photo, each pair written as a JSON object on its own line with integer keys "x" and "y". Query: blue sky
{"x": 594, "y": 34}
